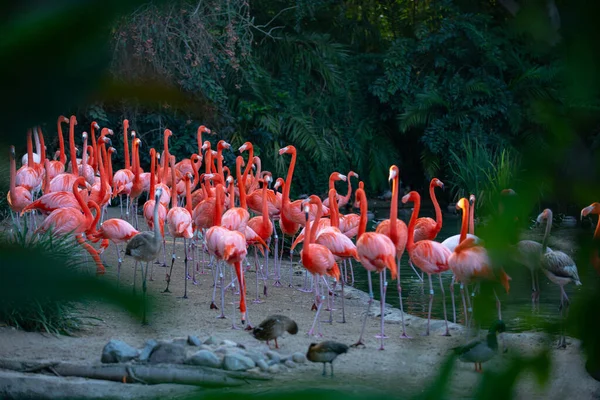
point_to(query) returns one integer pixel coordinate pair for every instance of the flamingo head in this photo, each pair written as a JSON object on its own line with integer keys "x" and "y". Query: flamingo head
{"x": 189, "y": 176}
{"x": 12, "y": 152}
{"x": 63, "y": 119}
{"x": 287, "y": 149}
{"x": 84, "y": 135}
{"x": 462, "y": 204}
{"x": 112, "y": 150}
{"x": 245, "y": 146}
{"x": 229, "y": 179}
{"x": 138, "y": 142}
{"x": 158, "y": 193}
{"x": 438, "y": 183}
{"x": 394, "y": 172}
{"x": 194, "y": 158}
{"x": 223, "y": 145}
{"x": 411, "y": 196}
{"x": 544, "y": 215}
{"x": 593, "y": 208}
{"x": 471, "y": 200}
{"x": 168, "y": 133}
{"x": 351, "y": 174}
{"x": 203, "y": 128}
{"x": 133, "y": 135}
{"x": 214, "y": 153}
{"x": 95, "y": 125}
{"x": 206, "y": 145}
{"x": 278, "y": 183}
{"x": 73, "y": 120}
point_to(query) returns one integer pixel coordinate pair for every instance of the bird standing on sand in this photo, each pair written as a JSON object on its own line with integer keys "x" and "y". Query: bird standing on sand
{"x": 145, "y": 246}
{"x": 274, "y": 327}
{"x": 480, "y": 351}
{"x": 325, "y": 352}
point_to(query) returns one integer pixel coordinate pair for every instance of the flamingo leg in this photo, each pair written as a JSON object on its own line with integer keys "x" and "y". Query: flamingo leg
{"x": 222, "y": 280}
{"x": 351, "y": 276}
{"x": 343, "y": 310}
{"x": 444, "y": 304}
{"x": 421, "y": 278}
{"x": 134, "y": 275}
{"x": 120, "y": 260}
{"x": 362, "y": 331}
{"x": 430, "y": 304}
{"x": 267, "y": 258}
{"x": 185, "y": 274}
{"x": 277, "y": 265}
{"x": 291, "y": 264}
{"x": 127, "y": 209}
{"x": 256, "y": 300}
{"x": 382, "y": 289}
{"x": 144, "y": 275}
{"x": 121, "y": 204}
{"x": 462, "y": 293}
{"x": 320, "y": 306}
{"x": 399, "y": 287}
{"x": 213, "y": 306}
{"x": 171, "y": 270}
{"x": 452, "y": 297}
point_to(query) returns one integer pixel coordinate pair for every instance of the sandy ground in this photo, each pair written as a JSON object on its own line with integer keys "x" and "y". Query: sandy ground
{"x": 406, "y": 366}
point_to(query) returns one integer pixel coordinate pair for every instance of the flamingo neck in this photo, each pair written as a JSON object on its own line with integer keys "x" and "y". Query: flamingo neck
{"x": 94, "y": 146}
{"x": 410, "y": 243}
{"x": 250, "y": 161}
{"x": 333, "y": 207}
{"x": 240, "y": 183}
{"x": 13, "y": 173}
{"x": 126, "y": 144}
{"x": 29, "y": 150}
{"x": 547, "y": 232}
{"x": 231, "y": 189}
{"x": 465, "y": 222}
{"x": 152, "y": 171}
{"x": 102, "y": 171}
{"x": 157, "y": 234}
{"x": 265, "y": 205}
{"x": 61, "y": 141}
{"x": 199, "y": 139}
{"x": 288, "y": 179}
{"x": 436, "y": 206}
{"x": 42, "y": 146}
{"x": 188, "y": 195}
{"x": 208, "y": 160}
{"x": 46, "y": 185}
{"x": 315, "y": 223}
{"x": 86, "y": 211}
{"x": 597, "y": 231}
{"x": 362, "y": 225}
{"x": 254, "y": 183}
{"x": 74, "y": 168}
{"x": 218, "y": 205}
{"x": 84, "y": 156}
{"x": 110, "y": 168}
{"x": 394, "y": 211}
{"x": 135, "y": 158}
{"x": 472, "y": 218}
{"x": 349, "y": 193}
{"x": 173, "y": 185}
{"x": 94, "y": 224}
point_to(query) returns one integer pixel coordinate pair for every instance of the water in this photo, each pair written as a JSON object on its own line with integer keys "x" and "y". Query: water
{"x": 516, "y": 306}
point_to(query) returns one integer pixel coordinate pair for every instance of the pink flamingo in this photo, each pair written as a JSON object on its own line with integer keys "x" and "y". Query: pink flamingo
{"x": 316, "y": 258}
{"x": 27, "y": 176}
{"x": 123, "y": 178}
{"x": 179, "y": 222}
{"x": 376, "y": 252}
{"x": 58, "y": 167}
{"x": 431, "y": 257}
{"x": 148, "y": 209}
{"x": 18, "y": 197}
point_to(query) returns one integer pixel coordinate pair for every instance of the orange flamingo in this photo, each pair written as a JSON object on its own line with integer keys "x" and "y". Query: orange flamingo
{"x": 229, "y": 246}
{"x": 376, "y": 253}
{"x": 179, "y": 222}
{"x": 431, "y": 257}
{"x": 63, "y": 221}
{"x": 84, "y": 169}
{"x": 113, "y": 230}
{"x": 64, "y": 182}
{"x": 136, "y": 187}
{"x": 594, "y": 208}
{"x": 263, "y": 227}
{"x": 100, "y": 193}
{"x": 316, "y": 258}
{"x": 342, "y": 200}
{"x": 236, "y": 218}
{"x": 18, "y": 197}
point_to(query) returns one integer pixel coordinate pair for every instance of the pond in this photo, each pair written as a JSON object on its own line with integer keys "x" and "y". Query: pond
{"x": 516, "y": 306}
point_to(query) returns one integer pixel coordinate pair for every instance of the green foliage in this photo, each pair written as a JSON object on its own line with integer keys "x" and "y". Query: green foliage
{"x": 483, "y": 172}
{"x": 43, "y": 280}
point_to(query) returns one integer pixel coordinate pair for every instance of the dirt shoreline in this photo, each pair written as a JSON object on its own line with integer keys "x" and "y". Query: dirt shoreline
{"x": 406, "y": 366}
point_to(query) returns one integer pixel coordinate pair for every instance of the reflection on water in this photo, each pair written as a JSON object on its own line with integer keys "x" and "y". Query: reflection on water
{"x": 516, "y": 306}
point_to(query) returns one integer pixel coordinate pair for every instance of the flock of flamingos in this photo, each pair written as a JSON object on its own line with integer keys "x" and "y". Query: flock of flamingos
{"x": 201, "y": 208}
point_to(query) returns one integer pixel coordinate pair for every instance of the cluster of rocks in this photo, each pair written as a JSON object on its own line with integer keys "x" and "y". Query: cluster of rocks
{"x": 213, "y": 353}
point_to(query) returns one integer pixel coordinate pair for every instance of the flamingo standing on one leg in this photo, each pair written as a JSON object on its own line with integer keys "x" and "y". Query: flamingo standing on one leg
{"x": 376, "y": 253}
{"x": 431, "y": 257}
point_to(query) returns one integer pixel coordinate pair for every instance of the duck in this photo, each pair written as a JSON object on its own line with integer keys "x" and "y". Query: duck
{"x": 326, "y": 352}
{"x": 480, "y": 351}
{"x": 274, "y": 327}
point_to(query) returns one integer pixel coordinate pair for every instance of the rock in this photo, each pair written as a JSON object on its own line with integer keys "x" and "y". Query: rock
{"x": 254, "y": 370}
{"x": 169, "y": 353}
{"x": 299, "y": 358}
{"x": 228, "y": 343}
{"x": 204, "y": 358}
{"x": 180, "y": 341}
{"x": 262, "y": 364}
{"x": 148, "y": 347}
{"x": 272, "y": 362}
{"x": 211, "y": 340}
{"x": 237, "y": 362}
{"x": 273, "y": 356}
{"x": 117, "y": 351}
{"x": 290, "y": 364}
{"x": 193, "y": 340}
{"x": 275, "y": 368}
{"x": 255, "y": 355}
{"x": 206, "y": 347}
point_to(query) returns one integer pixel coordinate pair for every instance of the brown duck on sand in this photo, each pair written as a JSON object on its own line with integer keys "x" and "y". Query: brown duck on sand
{"x": 325, "y": 352}
{"x": 274, "y": 327}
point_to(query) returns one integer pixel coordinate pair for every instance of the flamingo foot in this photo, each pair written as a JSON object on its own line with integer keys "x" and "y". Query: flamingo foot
{"x": 188, "y": 277}
{"x": 213, "y": 306}
{"x": 358, "y": 344}
{"x": 446, "y": 334}
{"x": 234, "y": 326}
{"x": 248, "y": 327}
{"x": 166, "y": 290}
{"x": 306, "y": 290}
{"x": 222, "y": 316}
{"x": 314, "y": 307}
{"x": 257, "y": 301}
{"x": 405, "y": 336}
{"x": 277, "y": 283}
{"x": 194, "y": 281}
{"x": 380, "y": 336}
